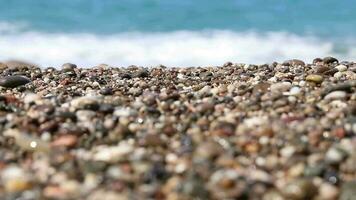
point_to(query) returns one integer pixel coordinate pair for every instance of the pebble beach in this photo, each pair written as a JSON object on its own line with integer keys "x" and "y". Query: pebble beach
{"x": 279, "y": 131}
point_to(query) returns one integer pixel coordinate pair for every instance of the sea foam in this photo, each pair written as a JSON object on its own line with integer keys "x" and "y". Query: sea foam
{"x": 178, "y": 48}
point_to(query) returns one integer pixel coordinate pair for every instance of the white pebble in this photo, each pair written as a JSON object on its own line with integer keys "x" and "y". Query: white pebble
{"x": 341, "y": 68}
{"x": 335, "y": 95}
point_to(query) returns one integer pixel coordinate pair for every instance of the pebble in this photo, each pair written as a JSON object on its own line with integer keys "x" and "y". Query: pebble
{"x": 300, "y": 189}
{"x": 341, "y": 68}
{"x": 280, "y": 87}
{"x": 69, "y": 67}
{"x": 348, "y": 191}
{"x": 86, "y": 102}
{"x": 27, "y": 142}
{"x": 336, "y": 95}
{"x": 314, "y": 78}
{"x": 294, "y": 62}
{"x": 112, "y": 153}
{"x": 15, "y": 179}
{"x": 334, "y": 155}
{"x": 13, "y": 81}
{"x": 330, "y": 60}
{"x": 328, "y": 191}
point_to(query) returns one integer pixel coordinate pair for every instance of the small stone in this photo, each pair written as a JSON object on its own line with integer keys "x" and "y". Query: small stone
{"x": 15, "y": 179}
{"x": 280, "y": 87}
{"x": 294, "y": 62}
{"x": 328, "y": 191}
{"x": 299, "y": 189}
{"x": 329, "y": 60}
{"x": 317, "y": 60}
{"x": 294, "y": 91}
{"x": 13, "y": 81}
{"x": 142, "y": 73}
{"x": 334, "y": 155}
{"x": 314, "y": 78}
{"x": 208, "y": 150}
{"x": 336, "y": 95}
{"x": 54, "y": 192}
{"x": 341, "y": 68}
{"x": 112, "y": 153}
{"x": 68, "y": 67}
{"x": 106, "y": 91}
{"x": 287, "y": 151}
{"x": 86, "y": 103}
{"x": 27, "y": 142}
{"x": 273, "y": 195}
{"x": 348, "y": 191}
{"x": 320, "y": 69}
{"x": 65, "y": 140}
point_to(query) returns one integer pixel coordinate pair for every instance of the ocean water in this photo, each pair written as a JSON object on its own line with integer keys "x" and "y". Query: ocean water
{"x": 175, "y": 32}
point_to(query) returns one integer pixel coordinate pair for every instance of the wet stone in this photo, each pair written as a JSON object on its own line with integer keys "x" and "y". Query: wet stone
{"x": 13, "y": 81}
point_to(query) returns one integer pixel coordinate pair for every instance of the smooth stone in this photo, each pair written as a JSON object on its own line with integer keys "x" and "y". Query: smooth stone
{"x": 334, "y": 155}
{"x": 85, "y": 115}
{"x": 294, "y": 91}
{"x": 317, "y": 60}
{"x": 336, "y": 95}
{"x": 273, "y": 195}
{"x": 314, "y": 78}
{"x": 69, "y": 66}
{"x": 15, "y": 179}
{"x": 294, "y": 62}
{"x": 280, "y": 87}
{"x": 328, "y": 191}
{"x": 86, "y": 102}
{"x": 13, "y": 81}
{"x": 13, "y": 64}
{"x": 329, "y": 60}
{"x": 300, "y": 189}
{"x": 112, "y": 153}
{"x": 106, "y": 91}
{"x": 348, "y": 191}
{"x": 341, "y": 68}
{"x": 320, "y": 69}
{"x": 27, "y": 142}
{"x": 142, "y": 73}
{"x": 338, "y": 75}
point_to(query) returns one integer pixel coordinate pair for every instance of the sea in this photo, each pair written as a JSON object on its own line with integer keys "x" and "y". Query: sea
{"x": 175, "y": 33}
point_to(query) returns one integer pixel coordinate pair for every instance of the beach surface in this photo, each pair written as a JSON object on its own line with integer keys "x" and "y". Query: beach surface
{"x": 238, "y": 131}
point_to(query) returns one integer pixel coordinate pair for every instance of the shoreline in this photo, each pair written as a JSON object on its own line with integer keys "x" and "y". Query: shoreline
{"x": 275, "y": 131}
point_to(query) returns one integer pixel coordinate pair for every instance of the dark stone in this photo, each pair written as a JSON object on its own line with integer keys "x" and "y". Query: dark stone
{"x": 330, "y": 60}
{"x": 332, "y": 177}
{"x": 206, "y": 76}
{"x": 126, "y": 76}
{"x": 106, "y": 91}
{"x": 317, "y": 60}
{"x": 68, "y": 67}
{"x": 142, "y": 73}
{"x": 106, "y": 108}
{"x": 13, "y": 81}
{"x": 67, "y": 115}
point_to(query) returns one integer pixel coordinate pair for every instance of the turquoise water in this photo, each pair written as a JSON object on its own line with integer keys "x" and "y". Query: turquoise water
{"x": 120, "y": 31}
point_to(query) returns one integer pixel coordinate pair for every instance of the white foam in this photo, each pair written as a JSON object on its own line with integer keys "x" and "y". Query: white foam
{"x": 180, "y": 48}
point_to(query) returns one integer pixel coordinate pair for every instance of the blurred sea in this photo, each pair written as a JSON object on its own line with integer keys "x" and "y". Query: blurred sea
{"x": 175, "y": 32}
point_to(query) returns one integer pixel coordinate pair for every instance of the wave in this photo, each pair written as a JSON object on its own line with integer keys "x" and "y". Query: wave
{"x": 179, "y": 48}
